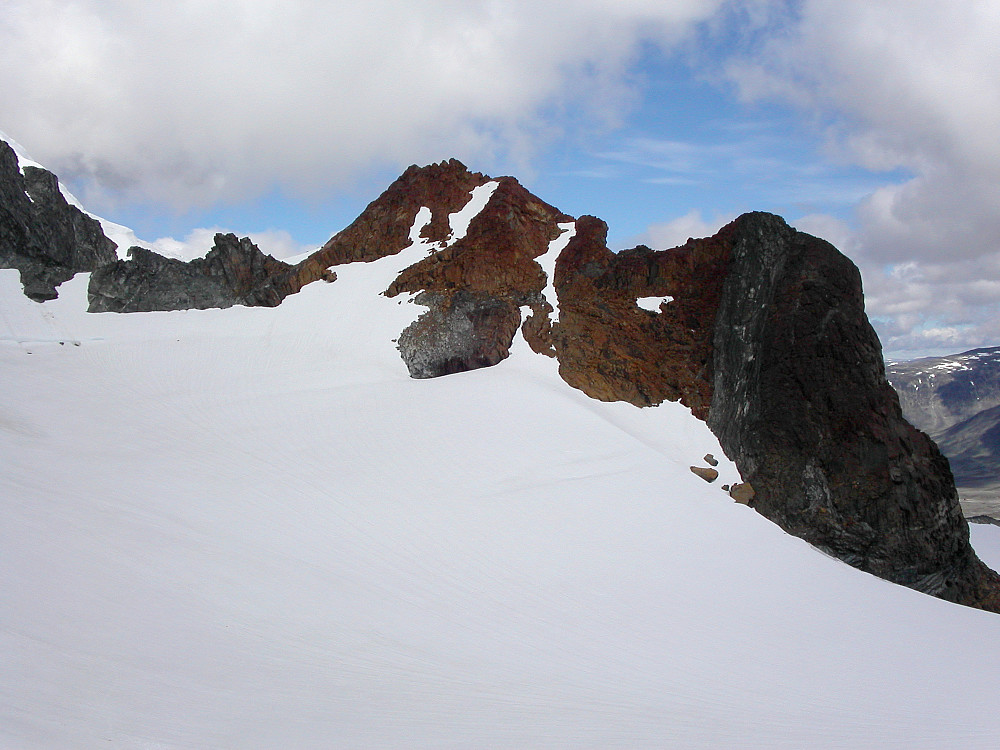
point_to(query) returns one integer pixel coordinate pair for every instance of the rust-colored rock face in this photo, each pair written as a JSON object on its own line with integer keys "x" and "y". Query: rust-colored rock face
{"x": 612, "y": 349}
{"x": 383, "y": 228}
{"x": 475, "y": 287}
{"x": 496, "y": 255}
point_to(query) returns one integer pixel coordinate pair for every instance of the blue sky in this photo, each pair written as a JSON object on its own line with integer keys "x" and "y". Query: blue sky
{"x": 870, "y": 124}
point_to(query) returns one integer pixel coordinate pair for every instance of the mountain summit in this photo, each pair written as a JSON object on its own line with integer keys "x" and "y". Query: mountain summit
{"x": 760, "y": 330}
{"x": 252, "y": 527}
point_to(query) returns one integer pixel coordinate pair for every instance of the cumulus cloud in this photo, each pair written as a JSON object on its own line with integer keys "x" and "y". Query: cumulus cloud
{"x": 196, "y": 102}
{"x": 910, "y": 86}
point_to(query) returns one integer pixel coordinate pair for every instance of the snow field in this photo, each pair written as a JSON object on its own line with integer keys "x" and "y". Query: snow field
{"x": 249, "y": 528}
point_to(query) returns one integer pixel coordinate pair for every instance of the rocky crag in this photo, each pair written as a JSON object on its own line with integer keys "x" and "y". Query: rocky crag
{"x": 801, "y": 404}
{"x": 41, "y": 235}
{"x": 233, "y": 272}
{"x": 761, "y": 332}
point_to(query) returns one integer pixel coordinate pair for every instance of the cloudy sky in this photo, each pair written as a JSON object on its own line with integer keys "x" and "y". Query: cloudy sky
{"x": 873, "y": 124}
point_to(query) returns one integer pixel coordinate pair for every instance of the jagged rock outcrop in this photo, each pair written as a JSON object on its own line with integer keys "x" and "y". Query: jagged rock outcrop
{"x": 476, "y": 285}
{"x": 41, "y": 235}
{"x": 383, "y": 228}
{"x": 761, "y": 332}
{"x": 801, "y": 404}
{"x": 233, "y": 272}
{"x": 612, "y": 349}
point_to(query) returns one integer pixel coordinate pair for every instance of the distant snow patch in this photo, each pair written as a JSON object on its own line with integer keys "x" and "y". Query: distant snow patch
{"x": 653, "y": 303}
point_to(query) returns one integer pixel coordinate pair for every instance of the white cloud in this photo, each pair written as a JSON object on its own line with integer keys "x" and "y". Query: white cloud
{"x": 196, "y": 102}
{"x": 275, "y": 242}
{"x": 676, "y": 232}
{"x": 906, "y": 85}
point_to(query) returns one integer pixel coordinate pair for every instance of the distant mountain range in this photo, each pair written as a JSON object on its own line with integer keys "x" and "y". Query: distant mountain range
{"x": 956, "y": 401}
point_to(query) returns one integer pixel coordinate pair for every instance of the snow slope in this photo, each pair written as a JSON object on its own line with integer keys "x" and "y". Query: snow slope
{"x": 248, "y": 528}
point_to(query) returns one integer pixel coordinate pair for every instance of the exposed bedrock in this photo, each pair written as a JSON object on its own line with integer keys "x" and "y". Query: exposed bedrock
{"x": 614, "y": 350}
{"x": 383, "y": 228}
{"x": 800, "y": 402}
{"x": 476, "y": 285}
{"x": 233, "y": 272}
{"x": 462, "y": 331}
{"x": 41, "y": 235}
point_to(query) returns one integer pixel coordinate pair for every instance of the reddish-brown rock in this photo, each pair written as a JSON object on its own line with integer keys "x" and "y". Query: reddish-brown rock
{"x": 383, "y": 228}
{"x": 612, "y": 349}
{"x": 476, "y": 286}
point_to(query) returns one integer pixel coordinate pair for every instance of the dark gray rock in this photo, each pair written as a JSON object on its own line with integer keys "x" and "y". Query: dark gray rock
{"x": 462, "y": 331}
{"x": 41, "y": 235}
{"x": 801, "y": 404}
{"x": 234, "y": 272}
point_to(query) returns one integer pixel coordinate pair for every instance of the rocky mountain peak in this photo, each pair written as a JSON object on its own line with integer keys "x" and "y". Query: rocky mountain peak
{"x": 760, "y": 330}
{"x": 383, "y": 227}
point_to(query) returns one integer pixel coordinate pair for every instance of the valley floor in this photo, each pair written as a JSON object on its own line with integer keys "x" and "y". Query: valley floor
{"x": 983, "y": 501}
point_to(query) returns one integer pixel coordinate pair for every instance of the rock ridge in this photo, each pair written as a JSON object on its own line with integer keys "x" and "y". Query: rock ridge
{"x": 45, "y": 238}
{"x": 760, "y": 330}
{"x": 233, "y": 272}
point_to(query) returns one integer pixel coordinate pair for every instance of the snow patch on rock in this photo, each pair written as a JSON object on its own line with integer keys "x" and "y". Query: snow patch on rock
{"x": 548, "y": 264}
{"x": 460, "y": 220}
{"x": 653, "y": 303}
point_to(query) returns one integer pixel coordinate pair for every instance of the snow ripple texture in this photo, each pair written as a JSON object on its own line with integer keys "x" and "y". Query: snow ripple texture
{"x": 249, "y": 528}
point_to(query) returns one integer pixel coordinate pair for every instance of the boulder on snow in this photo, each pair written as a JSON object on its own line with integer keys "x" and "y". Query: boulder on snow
{"x": 741, "y": 492}
{"x": 709, "y": 475}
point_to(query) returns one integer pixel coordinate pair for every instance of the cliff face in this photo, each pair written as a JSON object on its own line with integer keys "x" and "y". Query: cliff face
{"x": 41, "y": 235}
{"x": 614, "y": 350}
{"x": 476, "y": 286}
{"x": 801, "y": 404}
